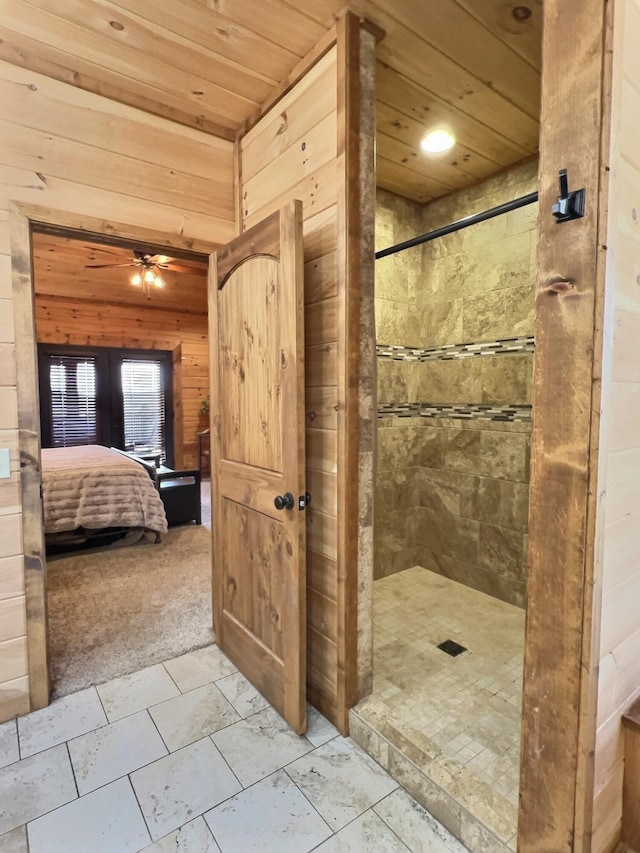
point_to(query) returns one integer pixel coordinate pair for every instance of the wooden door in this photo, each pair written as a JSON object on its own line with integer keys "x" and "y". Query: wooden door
{"x": 258, "y": 458}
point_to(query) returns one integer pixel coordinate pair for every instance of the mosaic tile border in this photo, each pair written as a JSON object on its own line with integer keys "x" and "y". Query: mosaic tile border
{"x": 509, "y": 414}
{"x": 505, "y": 346}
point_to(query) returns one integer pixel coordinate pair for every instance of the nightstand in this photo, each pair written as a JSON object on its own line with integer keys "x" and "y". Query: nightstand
{"x": 180, "y": 494}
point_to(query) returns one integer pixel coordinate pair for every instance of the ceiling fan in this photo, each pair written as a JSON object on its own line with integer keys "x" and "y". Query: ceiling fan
{"x": 148, "y": 267}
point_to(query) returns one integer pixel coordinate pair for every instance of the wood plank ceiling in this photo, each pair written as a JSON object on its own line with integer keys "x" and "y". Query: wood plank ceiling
{"x": 61, "y": 270}
{"x": 472, "y": 65}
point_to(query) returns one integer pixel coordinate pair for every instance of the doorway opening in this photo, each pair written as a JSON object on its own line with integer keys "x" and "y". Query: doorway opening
{"x": 123, "y": 369}
{"x": 454, "y": 359}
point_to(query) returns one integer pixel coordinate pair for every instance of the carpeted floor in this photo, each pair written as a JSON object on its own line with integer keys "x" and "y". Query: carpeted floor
{"x": 114, "y": 611}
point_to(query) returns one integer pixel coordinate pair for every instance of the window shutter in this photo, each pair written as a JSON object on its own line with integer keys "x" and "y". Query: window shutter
{"x": 143, "y": 406}
{"x": 72, "y": 380}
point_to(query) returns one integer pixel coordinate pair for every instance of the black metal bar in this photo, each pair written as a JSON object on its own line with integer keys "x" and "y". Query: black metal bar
{"x": 465, "y": 222}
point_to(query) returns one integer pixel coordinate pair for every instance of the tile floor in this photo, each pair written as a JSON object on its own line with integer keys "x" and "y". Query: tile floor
{"x": 462, "y": 714}
{"x": 187, "y": 756}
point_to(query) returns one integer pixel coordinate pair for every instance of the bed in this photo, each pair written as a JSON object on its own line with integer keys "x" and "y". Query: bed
{"x": 91, "y": 489}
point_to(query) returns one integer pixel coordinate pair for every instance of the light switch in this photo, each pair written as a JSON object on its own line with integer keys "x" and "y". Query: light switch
{"x": 5, "y": 464}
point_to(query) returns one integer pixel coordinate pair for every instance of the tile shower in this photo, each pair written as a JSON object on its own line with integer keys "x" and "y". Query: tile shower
{"x": 455, "y": 348}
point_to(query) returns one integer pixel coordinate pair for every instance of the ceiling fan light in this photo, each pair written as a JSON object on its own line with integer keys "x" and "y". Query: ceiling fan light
{"x": 136, "y": 279}
{"x": 149, "y": 276}
{"x": 437, "y": 141}
{"x": 158, "y": 281}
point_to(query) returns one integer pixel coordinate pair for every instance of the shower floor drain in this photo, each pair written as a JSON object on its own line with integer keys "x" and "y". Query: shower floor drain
{"x": 452, "y": 648}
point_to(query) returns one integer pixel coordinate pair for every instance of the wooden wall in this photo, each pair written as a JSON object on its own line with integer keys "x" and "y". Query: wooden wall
{"x": 619, "y": 571}
{"x": 80, "y": 322}
{"x": 80, "y": 158}
{"x": 300, "y": 149}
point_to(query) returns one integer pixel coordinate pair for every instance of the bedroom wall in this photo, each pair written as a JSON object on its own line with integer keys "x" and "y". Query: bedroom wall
{"x": 79, "y": 322}
{"x": 77, "y": 153}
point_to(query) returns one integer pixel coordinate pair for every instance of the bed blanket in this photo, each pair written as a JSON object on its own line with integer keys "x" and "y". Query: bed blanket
{"x": 94, "y": 487}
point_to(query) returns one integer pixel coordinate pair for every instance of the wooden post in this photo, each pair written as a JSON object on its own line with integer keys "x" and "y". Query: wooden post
{"x": 556, "y": 788}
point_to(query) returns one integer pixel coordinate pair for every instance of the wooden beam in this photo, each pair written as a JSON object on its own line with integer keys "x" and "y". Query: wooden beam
{"x": 348, "y": 301}
{"x": 556, "y": 774}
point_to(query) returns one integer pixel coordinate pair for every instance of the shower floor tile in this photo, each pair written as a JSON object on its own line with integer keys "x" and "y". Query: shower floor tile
{"x": 458, "y": 717}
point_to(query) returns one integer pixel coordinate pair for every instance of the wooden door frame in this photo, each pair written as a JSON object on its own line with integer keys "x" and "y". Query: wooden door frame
{"x": 562, "y": 626}
{"x": 22, "y": 218}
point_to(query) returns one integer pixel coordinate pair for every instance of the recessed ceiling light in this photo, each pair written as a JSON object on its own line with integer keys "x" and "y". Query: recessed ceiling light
{"x": 438, "y": 141}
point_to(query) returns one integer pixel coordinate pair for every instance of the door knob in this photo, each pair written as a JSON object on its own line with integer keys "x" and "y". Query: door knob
{"x": 285, "y": 501}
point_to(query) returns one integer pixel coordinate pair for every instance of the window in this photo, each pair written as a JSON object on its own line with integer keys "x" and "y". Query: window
{"x": 72, "y": 380}
{"x": 115, "y": 397}
{"x": 143, "y": 406}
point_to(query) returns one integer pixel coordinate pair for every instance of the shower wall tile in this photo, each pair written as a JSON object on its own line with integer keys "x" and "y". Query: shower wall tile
{"x": 452, "y": 496}
{"x": 392, "y": 382}
{"x": 431, "y": 446}
{"x": 400, "y": 491}
{"x": 396, "y": 277}
{"x": 401, "y": 448}
{"x": 505, "y": 457}
{"x": 520, "y": 427}
{"x": 397, "y": 323}
{"x": 506, "y": 381}
{"x": 445, "y": 534}
{"x": 389, "y": 562}
{"x": 500, "y": 550}
{"x": 451, "y": 493}
{"x": 519, "y": 306}
{"x": 502, "y": 381}
{"x": 525, "y": 219}
{"x": 443, "y": 491}
{"x": 442, "y": 323}
{"x": 391, "y": 528}
{"x": 498, "y": 313}
{"x": 498, "y": 502}
{"x": 462, "y": 450}
{"x": 505, "y": 586}
{"x": 458, "y": 380}
{"x": 494, "y": 265}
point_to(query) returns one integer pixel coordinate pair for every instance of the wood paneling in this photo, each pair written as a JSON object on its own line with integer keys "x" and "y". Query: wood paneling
{"x": 309, "y": 136}
{"x": 73, "y": 158}
{"x": 82, "y": 322}
{"x": 471, "y": 65}
{"x": 619, "y": 572}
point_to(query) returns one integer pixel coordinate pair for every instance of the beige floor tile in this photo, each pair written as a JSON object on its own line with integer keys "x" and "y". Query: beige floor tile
{"x": 113, "y": 751}
{"x": 183, "y": 785}
{"x": 34, "y": 786}
{"x": 124, "y": 696}
{"x": 272, "y": 815}
{"x": 108, "y": 819}
{"x": 256, "y": 747}
{"x": 200, "y": 667}
{"x": 191, "y": 716}
{"x": 341, "y": 781}
{"x": 65, "y": 718}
